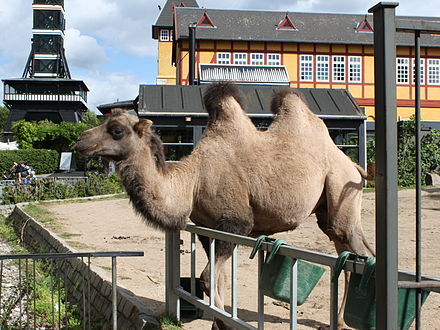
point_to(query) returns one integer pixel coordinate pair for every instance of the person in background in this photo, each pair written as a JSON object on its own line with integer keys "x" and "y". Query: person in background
{"x": 25, "y": 173}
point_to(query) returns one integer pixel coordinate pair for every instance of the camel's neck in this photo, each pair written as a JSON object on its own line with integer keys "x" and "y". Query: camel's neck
{"x": 164, "y": 197}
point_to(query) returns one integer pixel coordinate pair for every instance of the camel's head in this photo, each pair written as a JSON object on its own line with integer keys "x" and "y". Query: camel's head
{"x": 117, "y": 138}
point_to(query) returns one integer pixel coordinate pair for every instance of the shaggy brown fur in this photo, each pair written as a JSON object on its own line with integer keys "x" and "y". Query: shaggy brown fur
{"x": 237, "y": 178}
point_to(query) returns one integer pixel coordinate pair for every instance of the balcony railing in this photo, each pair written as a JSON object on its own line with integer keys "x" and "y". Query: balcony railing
{"x": 44, "y": 97}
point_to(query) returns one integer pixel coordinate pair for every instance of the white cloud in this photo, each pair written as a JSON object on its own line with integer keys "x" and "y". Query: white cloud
{"x": 108, "y": 87}
{"x": 82, "y": 51}
{"x": 123, "y": 26}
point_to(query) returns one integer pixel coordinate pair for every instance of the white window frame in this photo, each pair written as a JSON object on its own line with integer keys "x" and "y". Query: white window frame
{"x": 273, "y": 59}
{"x": 306, "y": 67}
{"x": 434, "y": 71}
{"x": 223, "y": 58}
{"x": 164, "y": 35}
{"x": 171, "y": 35}
{"x": 422, "y": 71}
{"x": 338, "y": 68}
{"x": 257, "y": 59}
{"x": 402, "y": 71}
{"x": 240, "y": 58}
{"x": 355, "y": 69}
{"x": 322, "y": 68}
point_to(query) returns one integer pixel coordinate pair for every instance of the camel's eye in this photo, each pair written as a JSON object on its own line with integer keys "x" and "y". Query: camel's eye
{"x": 116, "y": 131}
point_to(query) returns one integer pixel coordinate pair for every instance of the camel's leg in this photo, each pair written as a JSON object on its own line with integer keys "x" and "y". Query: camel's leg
{"x": 339, "y": 217}
{"x": 223, "y": 251}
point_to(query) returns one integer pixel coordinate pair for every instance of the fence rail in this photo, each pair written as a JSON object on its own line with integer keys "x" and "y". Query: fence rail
{"x": 174, "y": 291}
{"x": 19, "y": 282}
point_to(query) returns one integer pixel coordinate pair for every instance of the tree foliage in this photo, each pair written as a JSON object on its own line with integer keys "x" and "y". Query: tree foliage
{"x": 430, "y": 153}
{"x": 48, "y": 135}
{"x": 4, "y": 113}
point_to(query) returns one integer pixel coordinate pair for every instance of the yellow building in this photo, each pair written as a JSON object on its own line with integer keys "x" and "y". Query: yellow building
{"x": 314, "y": 50}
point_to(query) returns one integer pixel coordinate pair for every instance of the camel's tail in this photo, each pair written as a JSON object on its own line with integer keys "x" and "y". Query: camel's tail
{"x": 367, "y": 175}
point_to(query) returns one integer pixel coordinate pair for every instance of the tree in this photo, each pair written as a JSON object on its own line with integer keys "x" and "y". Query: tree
{"x": 4, "y": 113}
{"x": 90, "y": 119}
{"x": 47, "y": 135}
{"x": 406, "y": 164}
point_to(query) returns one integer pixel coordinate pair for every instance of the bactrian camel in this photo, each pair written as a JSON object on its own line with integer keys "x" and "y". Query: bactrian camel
{"x": 238, "y": 179}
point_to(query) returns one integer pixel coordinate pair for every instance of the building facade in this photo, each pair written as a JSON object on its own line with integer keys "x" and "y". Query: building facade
{"x": 316, "y": 50}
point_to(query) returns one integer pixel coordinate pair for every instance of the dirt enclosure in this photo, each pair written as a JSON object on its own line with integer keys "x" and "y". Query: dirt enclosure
{"x": 111, "y": 225}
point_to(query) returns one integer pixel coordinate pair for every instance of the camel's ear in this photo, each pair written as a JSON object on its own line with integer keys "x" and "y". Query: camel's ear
{"x": 142, "y": 126}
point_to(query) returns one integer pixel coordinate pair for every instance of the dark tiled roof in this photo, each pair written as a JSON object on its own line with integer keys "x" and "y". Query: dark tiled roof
{"x": 166, "y": 15}
{"x": 244, "y": 74}
{"x": 310, "y": 27}
{"x": 188, "y": 100}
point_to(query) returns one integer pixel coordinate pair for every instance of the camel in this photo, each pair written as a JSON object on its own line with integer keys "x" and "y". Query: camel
{"x": 238, "y": 179}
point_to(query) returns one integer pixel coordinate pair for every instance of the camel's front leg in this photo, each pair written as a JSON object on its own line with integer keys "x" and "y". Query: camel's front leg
{"x": 219, "y": 280}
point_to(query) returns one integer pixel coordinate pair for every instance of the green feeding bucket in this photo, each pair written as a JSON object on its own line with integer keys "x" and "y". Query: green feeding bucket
{"x": 360, "y": 309}
{"x": 275, "y": 274}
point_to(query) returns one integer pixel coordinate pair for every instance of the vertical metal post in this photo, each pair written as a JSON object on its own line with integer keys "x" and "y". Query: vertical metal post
{"x": 293, "y": 293}
{"x": 193, "y": 264}
{"x": 260, "y": 293}
{"x": 418, "y": 304}
{"x": 114, "y": 295}
{"x": 333, "y": 301}
{"x": 211, "y": 272}
{"x": 234, "y": 281}
{"x": 386, "y": 164}
{"x": 362, "y": 144}
{"x": 172, "y": 273}
{"x": 192, "y": 53}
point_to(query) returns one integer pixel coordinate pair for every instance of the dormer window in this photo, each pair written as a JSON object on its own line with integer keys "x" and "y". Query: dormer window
{"x": 205, "y": 21}
{"x": 364, "y": 26}
{"x": 286, "y": 24}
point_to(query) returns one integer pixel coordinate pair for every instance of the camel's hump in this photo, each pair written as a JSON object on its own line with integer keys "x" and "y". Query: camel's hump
{"x": 216, "y": 94}
{"x": 279, "y": 97}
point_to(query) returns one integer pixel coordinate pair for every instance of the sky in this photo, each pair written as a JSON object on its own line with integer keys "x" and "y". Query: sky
{"x": 109, "y": 43}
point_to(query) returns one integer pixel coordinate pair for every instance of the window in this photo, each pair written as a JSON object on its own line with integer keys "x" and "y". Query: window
{"x": 422, "y": 71}
{"x": 177, "y": 142}
{"x": 240, "y": 58}
{"x": 434, "y": 71}
{"x": 273, "y": 59}
{"x": 355, "y": 68}
{"x": 257, "y": 59}
{"x": 164, "y": 35}
{"x": 306, "y": 68}
{"x": 402, "y": 70}
{"x": 171, "y": 35}
{"x": 223, "y": 58}
{"x": 339, "y": 68}
{"x": 322, "y": 68}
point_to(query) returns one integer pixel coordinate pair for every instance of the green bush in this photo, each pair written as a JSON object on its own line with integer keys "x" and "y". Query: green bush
{"x": 47, "y": 135}
{"x": 41, "y": 160}
{"x": 47, "y": 189}
{"x": 430, "y": 153}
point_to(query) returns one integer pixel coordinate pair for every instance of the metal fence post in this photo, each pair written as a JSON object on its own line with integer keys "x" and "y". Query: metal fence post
{"x": 386, "y": 164}
{"x": 172, "y": 273}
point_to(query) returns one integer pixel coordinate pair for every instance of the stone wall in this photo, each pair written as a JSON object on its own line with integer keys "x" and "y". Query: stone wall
{"x": 77, "y": 274}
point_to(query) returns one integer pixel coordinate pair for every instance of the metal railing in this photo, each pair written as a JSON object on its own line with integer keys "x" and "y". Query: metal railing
{"x": 174, "y": 291}
{"x": 70, "y": 289}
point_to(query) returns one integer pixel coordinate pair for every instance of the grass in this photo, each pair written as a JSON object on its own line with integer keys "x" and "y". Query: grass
{"x": 39, "y": 213}
{"x": 68, "y": 235}
{"x": 43, "y": 290}
{"x": 79, "y": 245}
{"x": 169, "y": 323}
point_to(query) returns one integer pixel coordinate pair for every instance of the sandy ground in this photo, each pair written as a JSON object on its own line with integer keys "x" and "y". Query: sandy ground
{"x": 111, "y": 225}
